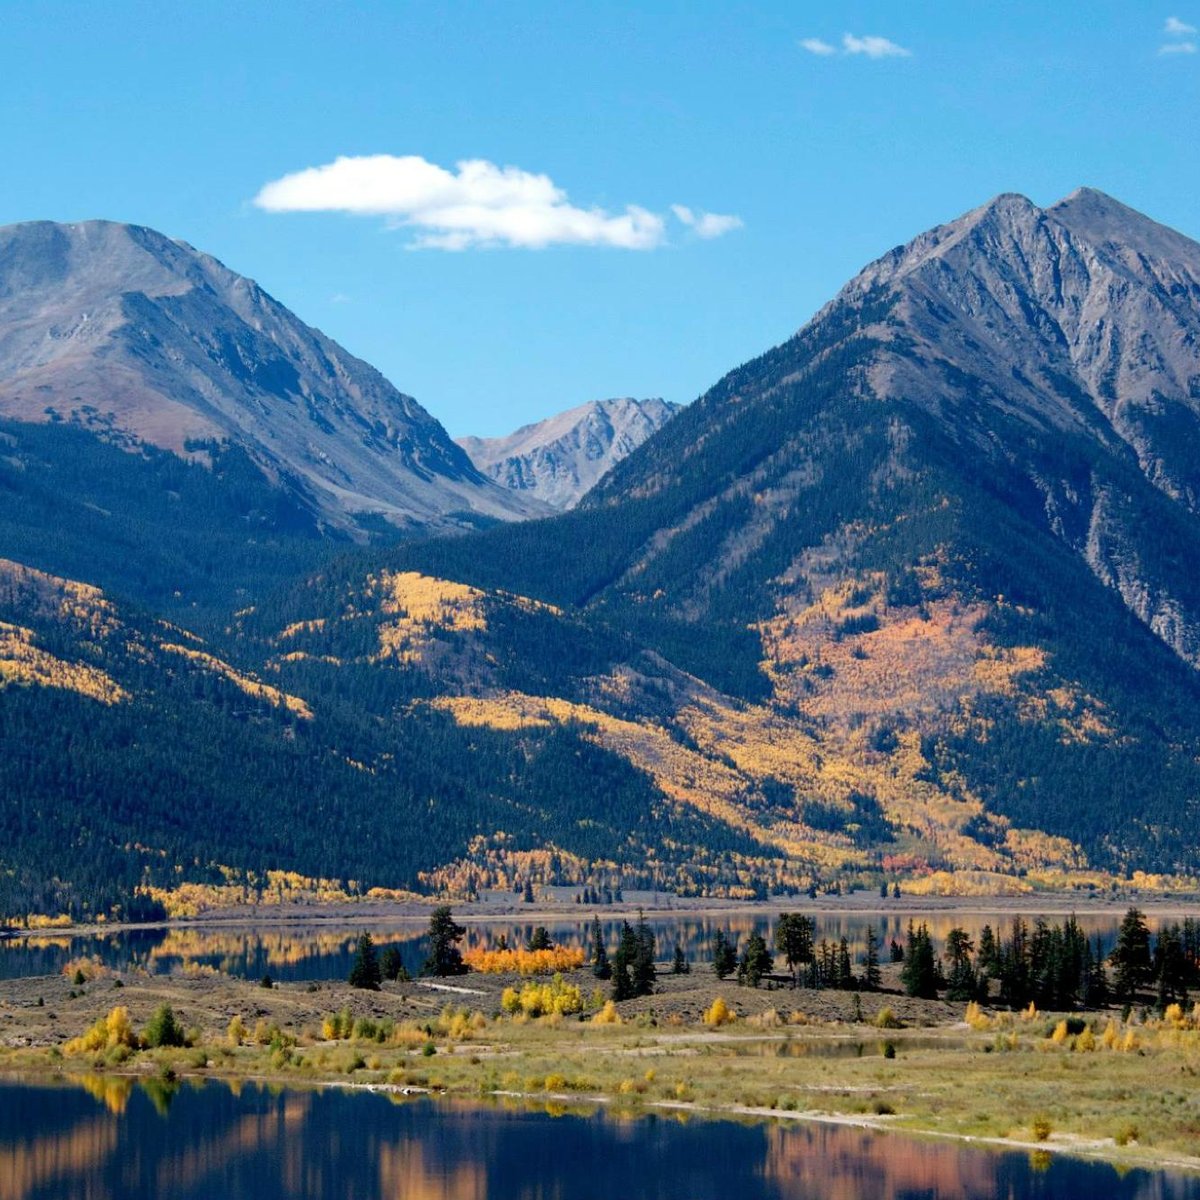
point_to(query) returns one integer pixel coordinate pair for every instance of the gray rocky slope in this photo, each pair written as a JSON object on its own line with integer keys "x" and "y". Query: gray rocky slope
{"x": 560, "y": 459}
{"x": 1083, "y": 320}
{"x": 143, "y": 339}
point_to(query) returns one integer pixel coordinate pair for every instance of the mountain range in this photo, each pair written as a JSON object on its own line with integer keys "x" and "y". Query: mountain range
{"x": 910, "y": 594}
{"x": 560, "y": 459}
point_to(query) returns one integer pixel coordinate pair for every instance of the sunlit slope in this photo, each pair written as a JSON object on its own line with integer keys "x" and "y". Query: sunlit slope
{"x": 955, "y": 512}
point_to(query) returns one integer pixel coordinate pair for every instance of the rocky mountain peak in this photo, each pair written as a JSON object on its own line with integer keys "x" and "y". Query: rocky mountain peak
{"x": 143, "y": 339}
{"x": 561, "y": 458}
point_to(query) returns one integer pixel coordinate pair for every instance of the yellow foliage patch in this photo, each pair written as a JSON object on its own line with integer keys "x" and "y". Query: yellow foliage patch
{"x": 244, "y": 682}
{"x": 719, "y": 1013}
{"x": 21, "y": 662}
{"x": 524, "y": 962}
{"x": 543, "y": 999}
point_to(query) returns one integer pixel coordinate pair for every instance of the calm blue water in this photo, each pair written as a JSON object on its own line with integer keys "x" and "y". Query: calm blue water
{"x": 206, "y": 1142}
{"x": 325, "y": 951}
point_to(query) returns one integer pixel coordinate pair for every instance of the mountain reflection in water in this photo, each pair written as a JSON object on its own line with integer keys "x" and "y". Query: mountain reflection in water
{"x": 109, "y": 1139}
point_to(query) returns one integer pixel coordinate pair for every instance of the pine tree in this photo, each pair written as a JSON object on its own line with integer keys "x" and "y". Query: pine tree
{"x": 680, "y": 964}
{"x": 444, "y": 936}
{"x": 961, "y": 983}
{"x": 364, "y": 972}
{"x": 1096, "y": 992}
{"x": 989, "y": 955}
{"x": 539, "y": 939}
{"x": 845, "y": 970}
{"x": 1171, "y": 967}
{"x": 794, "y": 940}
{"x": 920, "y": 972}
{"x": 643, "y": 971}
{"x": 872, "y": 978}
{"x": 724, "y": 956}
{"x": 390, "y": 963}
{"x": 756, "y": 961}
{"x": 622, "y": 963}
{"x": 528, "y": 893}
{"x": 1131, "y": 960}
{"x": 601, "y": 967}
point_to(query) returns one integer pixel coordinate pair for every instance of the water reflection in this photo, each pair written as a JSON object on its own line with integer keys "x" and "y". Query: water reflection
{"x": 304, "y": 952}
{"x": 214, "y": 1141}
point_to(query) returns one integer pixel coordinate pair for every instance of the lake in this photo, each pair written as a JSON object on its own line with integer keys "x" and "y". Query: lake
{"x": 108, "y": 1139}
{"x": 324, "y": 950}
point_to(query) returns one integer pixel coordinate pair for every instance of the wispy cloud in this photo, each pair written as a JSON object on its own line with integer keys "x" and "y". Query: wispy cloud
{"x": 706, "y": 224}
{"x": 873, "y": 47}
{"x": 477, "y": 204}
{"x": 1178, "y": 48}
{"x": 869, "y": 46}
{"x": 1174, "y": 27}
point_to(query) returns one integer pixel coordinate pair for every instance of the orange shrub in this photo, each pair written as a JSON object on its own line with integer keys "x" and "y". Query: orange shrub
{"x": 524, "y": 962}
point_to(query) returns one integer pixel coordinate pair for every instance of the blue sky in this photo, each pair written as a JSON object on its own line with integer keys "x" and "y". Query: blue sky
{"x": 177, "y": 116}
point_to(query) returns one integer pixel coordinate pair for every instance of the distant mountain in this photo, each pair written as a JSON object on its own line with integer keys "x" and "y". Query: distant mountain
{"x": 145, "y": 341}
{"x": 561, "y": 458}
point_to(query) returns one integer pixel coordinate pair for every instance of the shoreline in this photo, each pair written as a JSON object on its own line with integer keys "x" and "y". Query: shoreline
{"x": 1101, "y": 1150}
{"x": 387, "y": 913}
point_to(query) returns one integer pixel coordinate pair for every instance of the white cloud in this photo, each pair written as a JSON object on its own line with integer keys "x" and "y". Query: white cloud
{"x": 873, "y": 47}
{"x": 817, "y": 46}
{"x": 476, "y": 204}
{"x": 1178, "y": 48}
{"x": 1174, "y": 27}
{"x": 706, "y": 224}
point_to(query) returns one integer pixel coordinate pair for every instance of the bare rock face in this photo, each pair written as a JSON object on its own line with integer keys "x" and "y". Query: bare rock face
{"x": 143, "y": 339}
{"x": 1065, "y": 341}
{"x": 560, "y": 459}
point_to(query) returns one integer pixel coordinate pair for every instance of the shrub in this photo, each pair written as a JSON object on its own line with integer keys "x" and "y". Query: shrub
{"x": 886, "y": 1019}
{"x": 607, "y": 1015}
{"x": 1041, "y": 1128}
{"x": 719, "y": 1013}
{"x": 1126, "y": 1134}
{"x": 543, "y": 999}
{"x": 163, "y": 1029}
{"x": 107, "y": 1033}
{"x": 236, "y": 1031}
{"x": 976, "y": 1018}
